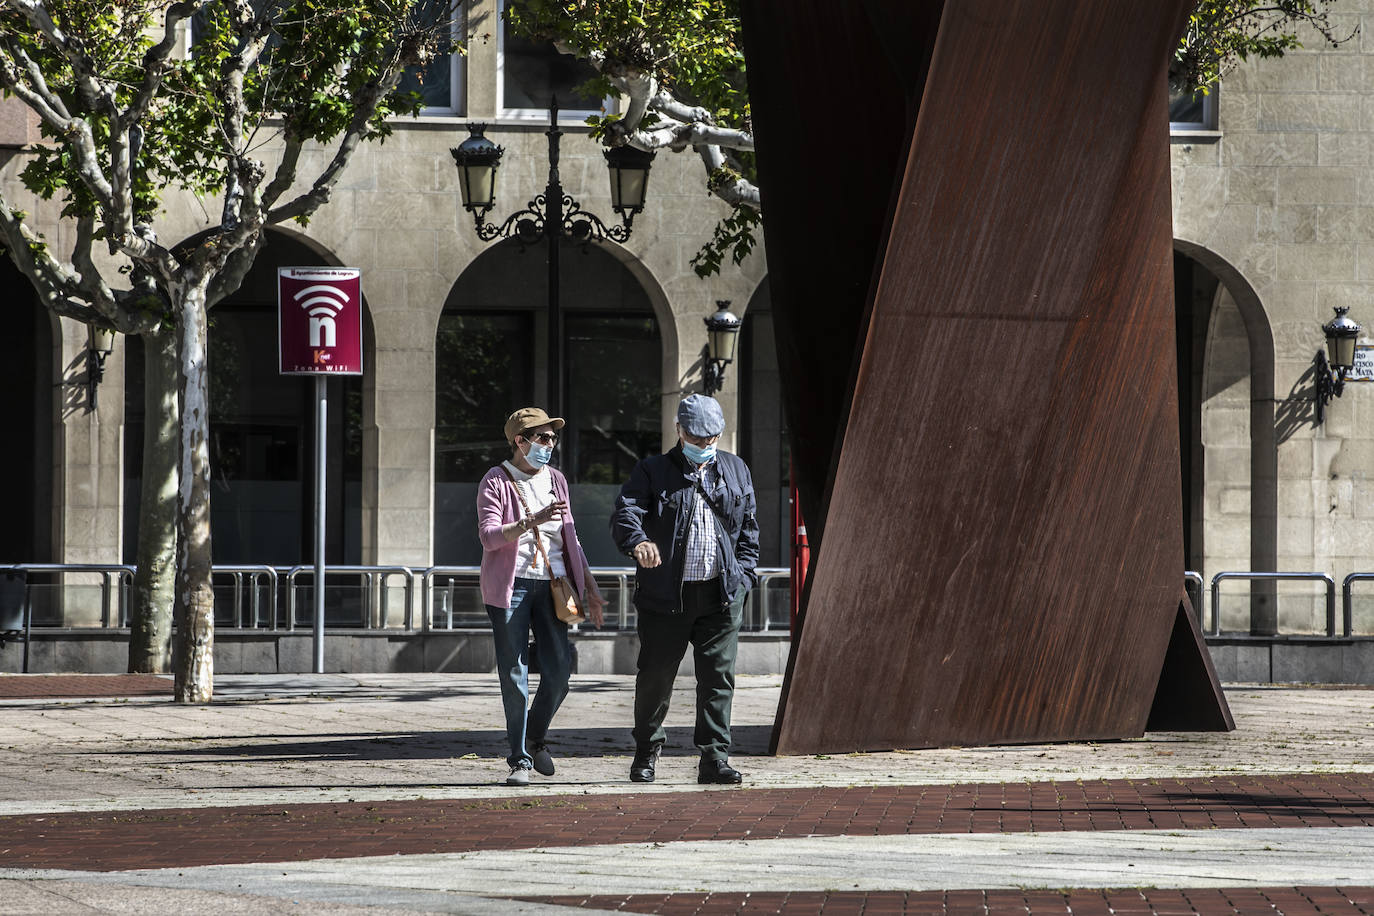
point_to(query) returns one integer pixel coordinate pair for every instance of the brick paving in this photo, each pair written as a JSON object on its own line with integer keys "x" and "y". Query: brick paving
{"x": 1281, "y": 901}
{"x": 82, "y": 686}
{"x": 181, "y": 837}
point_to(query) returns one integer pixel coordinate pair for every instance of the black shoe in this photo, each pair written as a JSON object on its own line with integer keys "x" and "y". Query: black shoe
{"x": 543, "y": 760}
{"x": 718, "y": 772}
{"x": 642, "y": 767}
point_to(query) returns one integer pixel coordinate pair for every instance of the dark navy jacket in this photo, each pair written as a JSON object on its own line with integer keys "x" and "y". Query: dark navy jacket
{"x": 655, "y": 505}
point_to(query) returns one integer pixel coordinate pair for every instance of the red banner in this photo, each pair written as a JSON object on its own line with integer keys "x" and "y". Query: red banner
{"x": 320, "y": 320}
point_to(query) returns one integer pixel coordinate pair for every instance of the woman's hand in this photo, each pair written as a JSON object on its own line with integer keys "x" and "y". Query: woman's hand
{"x": 594, "y": 605}
{"x": 552, "y": 511}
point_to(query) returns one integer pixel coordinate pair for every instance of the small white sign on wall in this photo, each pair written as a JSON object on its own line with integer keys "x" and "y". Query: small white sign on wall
{"x": 1363, "y": 370}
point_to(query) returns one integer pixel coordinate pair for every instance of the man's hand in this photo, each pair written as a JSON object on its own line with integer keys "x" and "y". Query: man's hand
{"x": 595, "y": 602}
{"x": 646, "y": 554}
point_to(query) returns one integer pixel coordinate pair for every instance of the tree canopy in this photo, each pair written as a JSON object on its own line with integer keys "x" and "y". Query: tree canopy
{"x": 678, "y": 67}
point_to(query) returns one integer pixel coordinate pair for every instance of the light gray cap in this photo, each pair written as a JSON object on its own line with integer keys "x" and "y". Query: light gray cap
{"x": 700, "y": 415}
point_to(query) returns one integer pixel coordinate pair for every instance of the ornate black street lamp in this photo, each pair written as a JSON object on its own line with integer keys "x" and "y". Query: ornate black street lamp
{"x": 722, "y": 330}
{"x": 553, "y": 215}
{"x": 1341, "y": 334}
{"x": 99, "y": 346}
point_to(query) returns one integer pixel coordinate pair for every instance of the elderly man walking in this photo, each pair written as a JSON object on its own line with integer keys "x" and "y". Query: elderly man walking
{"x": 688, "y": 518}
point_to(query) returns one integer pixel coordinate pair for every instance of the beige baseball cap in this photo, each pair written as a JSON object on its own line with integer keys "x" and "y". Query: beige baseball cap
{"x": 529, "y": 418}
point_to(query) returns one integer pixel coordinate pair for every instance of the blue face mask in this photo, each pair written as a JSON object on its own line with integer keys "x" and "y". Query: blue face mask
{"x": 539, "y": 455}
{"x": 698, "y": 455}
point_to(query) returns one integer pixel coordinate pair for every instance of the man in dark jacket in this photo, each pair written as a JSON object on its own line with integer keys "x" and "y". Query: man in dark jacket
{"x": 688, "y": 518}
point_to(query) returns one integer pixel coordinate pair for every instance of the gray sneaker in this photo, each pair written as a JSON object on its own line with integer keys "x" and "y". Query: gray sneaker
{"x": 543, "y": 760}
{"x": 519, "y": 776}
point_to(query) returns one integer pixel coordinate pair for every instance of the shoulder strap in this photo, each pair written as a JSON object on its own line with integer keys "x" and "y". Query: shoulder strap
{"x": 534, "y": 528}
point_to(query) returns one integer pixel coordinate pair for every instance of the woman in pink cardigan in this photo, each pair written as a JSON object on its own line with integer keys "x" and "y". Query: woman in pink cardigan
{"x": 514, "y": 500}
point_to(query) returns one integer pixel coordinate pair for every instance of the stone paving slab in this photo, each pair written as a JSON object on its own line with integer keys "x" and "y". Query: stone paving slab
{"x": 336, "y": 738}
{"x": 1227, "y": 858}
{"x": 1288, "y": 901}
{"x": 1218, "y": 858}
{"x": 160, "y": 838}
{"x": 408, "y": 744}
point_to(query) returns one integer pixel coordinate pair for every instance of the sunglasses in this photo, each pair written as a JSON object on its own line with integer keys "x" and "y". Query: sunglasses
{"x": 542, "y": 438}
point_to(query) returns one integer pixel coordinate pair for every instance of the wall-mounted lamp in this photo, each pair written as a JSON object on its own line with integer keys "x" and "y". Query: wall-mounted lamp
{"x": 1341, "y": 333}
{"x": 722, "y": 331}
{"x": 99, "y": 345}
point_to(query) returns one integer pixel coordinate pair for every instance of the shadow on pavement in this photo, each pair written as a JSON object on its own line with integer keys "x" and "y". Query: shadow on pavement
{"x": 749, "y": 740}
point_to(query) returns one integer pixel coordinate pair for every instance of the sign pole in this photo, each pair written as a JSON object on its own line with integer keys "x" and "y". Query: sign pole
{"x": 320, "y": 333}
{"x": 321, "y": 430}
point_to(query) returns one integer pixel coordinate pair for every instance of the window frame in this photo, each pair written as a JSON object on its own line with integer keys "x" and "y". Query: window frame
{"x": 1208, "y": 125}
{"x": 457, "y": 77}
{"x": 566, "y": 116}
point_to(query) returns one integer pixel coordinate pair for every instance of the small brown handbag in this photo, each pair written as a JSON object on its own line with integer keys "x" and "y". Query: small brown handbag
{"x": 565, "y": 601}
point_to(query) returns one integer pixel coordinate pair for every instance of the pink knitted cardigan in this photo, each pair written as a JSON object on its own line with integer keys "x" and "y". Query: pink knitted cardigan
{"x": 497, "y": 505}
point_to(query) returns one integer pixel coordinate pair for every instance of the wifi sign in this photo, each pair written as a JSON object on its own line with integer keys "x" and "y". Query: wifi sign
{"x": 319, "y": 317}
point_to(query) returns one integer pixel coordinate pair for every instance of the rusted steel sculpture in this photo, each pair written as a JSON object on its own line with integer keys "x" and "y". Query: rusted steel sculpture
{"x": 994, "y": 478}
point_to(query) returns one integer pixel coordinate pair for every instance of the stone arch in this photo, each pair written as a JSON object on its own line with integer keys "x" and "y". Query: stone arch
{"x": 1239, "y": 353}
{"x": 31, "y": 351}
{"x": 262, "y": 428}
{"x": 620, "y": 363}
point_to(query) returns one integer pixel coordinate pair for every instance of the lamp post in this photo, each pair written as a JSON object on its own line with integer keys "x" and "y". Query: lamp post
{"x": 99, "y": 346}
{"x": 1341, "y": 334}
{"x": 552, "y": 215}
{"x": 722, "y": 330}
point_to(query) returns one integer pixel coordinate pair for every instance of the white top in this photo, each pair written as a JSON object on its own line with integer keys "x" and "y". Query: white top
{"x": 537, "y": 488}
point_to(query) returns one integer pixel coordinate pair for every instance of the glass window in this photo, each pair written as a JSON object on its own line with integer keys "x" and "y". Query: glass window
{"x": 441, "y": 83}
{"x": 614, "y": 408}
{"x": 533, "y": 72}
{"x": 1189, "y": 111}
{"x": 482, "y": 368}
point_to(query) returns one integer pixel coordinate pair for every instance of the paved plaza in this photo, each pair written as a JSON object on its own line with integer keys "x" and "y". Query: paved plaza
{"x": 385, "y": 794}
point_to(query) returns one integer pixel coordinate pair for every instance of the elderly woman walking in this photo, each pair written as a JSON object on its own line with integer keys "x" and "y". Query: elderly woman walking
{"x": 529, "y": 539}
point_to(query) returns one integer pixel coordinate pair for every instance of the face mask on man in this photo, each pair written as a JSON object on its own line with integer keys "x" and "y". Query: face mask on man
{"x": 538, "y": 455}
{"x": 698, "y": 455}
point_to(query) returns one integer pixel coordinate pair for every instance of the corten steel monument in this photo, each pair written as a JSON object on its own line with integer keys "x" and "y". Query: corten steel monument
{"x": 994, "y": 478}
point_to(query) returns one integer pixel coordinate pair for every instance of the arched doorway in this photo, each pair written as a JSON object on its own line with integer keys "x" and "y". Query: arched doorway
{"x": 262, "y": 433}
{"x": 27, "y": 401}
{"x": 490, "y": 348}
{"x": 1227, "y": 430}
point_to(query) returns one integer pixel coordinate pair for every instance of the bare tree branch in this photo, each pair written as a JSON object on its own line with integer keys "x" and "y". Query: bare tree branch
{"x": 680, "y": 126}
{"x": 365, "y": 106}
{"x": 34, "y": 93}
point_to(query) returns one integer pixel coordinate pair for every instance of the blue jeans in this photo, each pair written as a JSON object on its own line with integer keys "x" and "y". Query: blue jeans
{"x": 531, "y": 608}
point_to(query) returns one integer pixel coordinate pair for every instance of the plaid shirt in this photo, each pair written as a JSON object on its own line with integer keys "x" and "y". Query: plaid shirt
{"x": 702, "y": 561}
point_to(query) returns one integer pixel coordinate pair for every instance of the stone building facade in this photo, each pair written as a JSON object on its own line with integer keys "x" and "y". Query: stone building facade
{"x": 455, "y": 338}
{"x": 1274, "y": 225}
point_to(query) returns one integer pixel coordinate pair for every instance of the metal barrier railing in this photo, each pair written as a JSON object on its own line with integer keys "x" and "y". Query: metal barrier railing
{"x": 113, "y": 601}
{"x": 1193, "y": 584}
{"x": 372, "y": 576}
{"x": 1347, "y": 599}
{"x": 248, "y": 584}
{"x": 761, "y": 603}
{"x": 248, "y": 609}
{"x": 255, "y": 575}
{"x": 437, "y": 604}
{"x": 1275, "y": 576}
